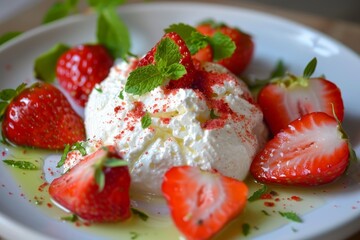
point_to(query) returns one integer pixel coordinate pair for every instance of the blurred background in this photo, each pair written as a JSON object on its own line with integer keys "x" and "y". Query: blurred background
{"x": 338, "y": 19}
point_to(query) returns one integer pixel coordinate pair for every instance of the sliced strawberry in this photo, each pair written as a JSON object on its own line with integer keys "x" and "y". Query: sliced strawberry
{"x": 309, "y": 151}
{"x": 201, "y": 203}
{"x": 243, "y": 53}
{"x": 80, "y": 191}
{"x": 81, "y": 67}
{"x": 41, "y": 116}
{"x": 186, "y": 80}
{"x": 283, "y": 103}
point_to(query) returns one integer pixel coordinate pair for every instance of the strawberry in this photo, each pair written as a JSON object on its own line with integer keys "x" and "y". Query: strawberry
{"x": 201, "y": 202}
{"x": 96, "y": 189}
{"x": 186, "y": 80}
{"x": 81, "y": 67}
{"x": 309, "y": 151}
{"x": 41, "y": 116}
{"x": 243, "y": 53}
{"x": 290, "y": 97}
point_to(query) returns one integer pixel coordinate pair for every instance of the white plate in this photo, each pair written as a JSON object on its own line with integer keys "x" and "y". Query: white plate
{"x": 275, "y": 39}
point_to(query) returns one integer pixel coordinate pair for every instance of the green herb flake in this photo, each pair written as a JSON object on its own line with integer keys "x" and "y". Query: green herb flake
{"x": 143, "y": 216}
{"x": 63, "y": 156}
{"x": 291, "y": 216}
{"x": 99, "y": 89}
{"x": 21, "y": 164}
{"x": 121, "y": 94}
{"x": 213, "y": 115}
{"x": 310, "y": 68}
{"x": 71, "y": 218}
{"x": 134, "y": 235}
{"x": 246, "y": 229}
{"x": 45, "y": 64}
{"x": 258, "y": 193}
{"x": 79, "y": 147}
{"x": 8, "y": 36}
{"x": 115, "y": 162}
{"x": 146, "y": 121}
{"x": 265, "y": 213}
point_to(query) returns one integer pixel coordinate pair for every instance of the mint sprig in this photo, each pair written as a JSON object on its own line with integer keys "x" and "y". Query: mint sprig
{"x": 221, "y": 44}
{"x": 167, "y": 67}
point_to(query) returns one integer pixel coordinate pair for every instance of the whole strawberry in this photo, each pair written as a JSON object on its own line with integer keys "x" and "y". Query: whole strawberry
{"x": 81, "y": 67}
{"x": 40, "y": 116}
{"x": 243, "y": 53}
{"x": 96, "y": 189}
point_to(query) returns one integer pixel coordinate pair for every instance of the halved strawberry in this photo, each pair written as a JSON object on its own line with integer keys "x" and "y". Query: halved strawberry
{"x": 243, "y": 53}
{"x": 81, "y": 67}
{"x": 39, "y": 116}
{"x": 186, "y": 80}
{"x": 289, "y": 98}
{"x": 309, "y": 151}
{"x": 96, "y": 189}
{"x": 201, "y": 202}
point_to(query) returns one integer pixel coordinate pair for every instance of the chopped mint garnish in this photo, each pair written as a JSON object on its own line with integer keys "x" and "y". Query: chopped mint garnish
{"x": 246, "y": 229}
{"x": 310, "y": 68}
{"x": 115, "y": 162}
{"x": 143, "y": 216}
{"x": 8, "y": 36}
{"x": 21, "y": 164}
{"x": 121, "y": 94}
{"x": 99, "y": 89}
{"x": 79, "y": 146}
{"x": 71, "y": 218}
{"x": 213, "y": 115}
{"x": 166, "y": 67}
{"x": 45, "y": 64}
{"x": 291, "y": 216}
{"x": 258, "y": 193}
{"x": 146, "y": 121}
{"x": 134, "y": 235}
{"x": 221, "y": 44}
{"x": 60, "y": 10}
{"x": 265, "y": 213}
{"x": 63, "y": 156}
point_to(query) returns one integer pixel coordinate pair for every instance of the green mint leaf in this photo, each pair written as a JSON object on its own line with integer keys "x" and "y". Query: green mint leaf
{"x": 100, "y": 177}
{"x": 8, "y": 36}
{"x": 99, "y": 5}
{"x": 21, "y": 164}
{"x": 143, "y": 80}
{"x": 310, "y": 68}
{"x": 265, "y": 213}
{"x": 246, "y": 229}
{"x": 291, "y": 216}
{"x": 115, "y": 162}
{"x": 167, "y": 53}
{"x": 143, "y": 216}
{"x": 258, "y": 193}
{"x": 193, "y": 39}
{"x": 175, "y": 71}
{"x": 99, "y": 89}
{"x": 113, "y": 33}
{"x": 121, "y": 94}
{"x": 63, "y": 156}
{"x": 213, "y": 115}
{"x": 71, "y": 218}
{"x": 146, "y": 121}
{"x": 60, "y": 10}
{"x": 222, "y": 46}
{"x": 45, "y": 64}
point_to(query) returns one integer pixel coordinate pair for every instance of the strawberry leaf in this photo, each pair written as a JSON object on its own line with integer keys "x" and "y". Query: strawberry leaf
{"x": 222, "y": 46}
{"x": 45, "y": 64}
{"x": 71, "y": 218}
{"x": 310, "y": 68}
{"x": 146, "y": 121}
{"x": 60, "y": 10}
{"x": 8, "y": 36}
{"x": 115, "y": 162}
{"x": 113, "y": 33}
{"x": 100, "y": 177}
